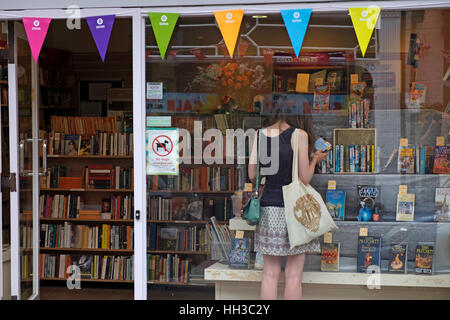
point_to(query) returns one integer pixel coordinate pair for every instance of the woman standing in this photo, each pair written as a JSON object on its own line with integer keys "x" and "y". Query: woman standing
{"x": 271, "y": 238}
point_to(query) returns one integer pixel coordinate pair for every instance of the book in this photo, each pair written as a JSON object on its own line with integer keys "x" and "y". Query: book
{"x": 369, "y": 195}
{"x": 315, "y": 78}
{"x": 321, "y": 97}
{"x": 335, "y": 201}
{"x": 442, "y": 205}
{"x": 71, "y": 144}
{"x": 84, "y": 145}
{"x": 417, "y": 95}
{"x": 405, "y": 207}
{"x": 369, "y": 254}
{"x": 441, "y": 163}
{"x": 239, "y": 253}
{"x": 406, "y": 159}
{"x": 302, "y": 82}
{"x": 334, "y": 78}
{"x": 398, "y": 258}
{"x": 424, "y": 259}
{"x": 168, "y": 239}
{"x": 330, "y": 257}
{"x": 357, "y": 90}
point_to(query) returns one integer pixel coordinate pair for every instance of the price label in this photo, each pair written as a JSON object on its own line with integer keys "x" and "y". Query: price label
{"x": 363, "y": 232}
{"x": 404, "y": 142}
{"x": 248, "y": 187}
{"x": 328, "y": 237}
{"x": 440, "y": 141}
{"x": 331, "y": 184}
{"x": 239, "y": 234}
{"x": 354, "y": 78}
{"x": 403, "y": 189}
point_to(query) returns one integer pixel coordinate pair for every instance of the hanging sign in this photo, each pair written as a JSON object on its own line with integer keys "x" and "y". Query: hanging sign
{"x": 296, "y": 22}
{"x": 364, "y": 21}
{"x": 229, "y": 22}
{"x": 163, "y": 25}
{"x": 162, "y": 151}
{"x": 101, "y": 27}
{"x": 36, "y": 29}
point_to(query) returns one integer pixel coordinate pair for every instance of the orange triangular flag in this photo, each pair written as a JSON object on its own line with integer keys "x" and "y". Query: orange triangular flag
{"x": 229, "y": 22}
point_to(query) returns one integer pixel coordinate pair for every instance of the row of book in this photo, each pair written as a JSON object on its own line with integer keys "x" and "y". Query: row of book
{"x": 369, "y": 204}
{"x": 69, "y": 207}
{"x": 100, "y": 143}
{"x": 369, "y": 256}
{"x": 70, "y": 235}
{"x": 194, "y": 238}
{"x": 201, "y": 179}
{"x": 86, "y": 267}
{"x": 181, "y": 208}
{"x": 358, "y": 113}
{"x": 83, "y": 125}
{"x": 351, "y": 158}
{"x": 168, "y": 268}
{"x": 424, "y": 159}
{"x": 94, "y": 176}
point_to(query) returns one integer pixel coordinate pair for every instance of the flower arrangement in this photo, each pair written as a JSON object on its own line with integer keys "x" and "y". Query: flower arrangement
{"x": 235, "y": 82}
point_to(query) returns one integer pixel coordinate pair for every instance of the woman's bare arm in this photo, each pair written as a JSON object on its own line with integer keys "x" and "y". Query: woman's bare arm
{"x": 253, "y": 158}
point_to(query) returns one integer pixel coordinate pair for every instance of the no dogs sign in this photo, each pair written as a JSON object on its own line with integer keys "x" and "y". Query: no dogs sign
{"x": 162, "y": 151}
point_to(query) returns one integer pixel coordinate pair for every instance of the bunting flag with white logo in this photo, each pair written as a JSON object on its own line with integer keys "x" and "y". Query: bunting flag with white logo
{"x": 296, "y": 22}
{"x": 364, "y": 21}
{"x": 163, "y": 25}
{"x": 101, "y": 27}
{"x": 229, "y": 22}
{"x": 36, "y": 29}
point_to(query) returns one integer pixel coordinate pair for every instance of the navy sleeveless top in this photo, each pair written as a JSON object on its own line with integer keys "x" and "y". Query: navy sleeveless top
{"x": 273, "y": 194}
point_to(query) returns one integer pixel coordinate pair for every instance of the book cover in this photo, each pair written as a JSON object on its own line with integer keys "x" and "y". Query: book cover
{"x": 168, "y": 239}
{"x": 441, "y": 160}
{"x": 424, "y": 259}
{"x": 239, "y": 253}
{"x": 335, "y": 201}
{"x": 406, "y": 159}
{"x": 405, "y": 207}
{"x": 330, "y": 257}
{"x": 71, "y": 144}
{"x": 316, "y": 77}
{"x": 442, "y": 205}
{"x": 369, "y": 195}
{"x": 84, "y": 146}
{"x": 369, "y": 254}
{"x": 321, "y": 97}
{"x": 357, "y": 89}
{"x": 398, "y": 258}
{"x": 417, "y": 95}
{"x": 334, "y": 78}
{"x": 302, "y": 82}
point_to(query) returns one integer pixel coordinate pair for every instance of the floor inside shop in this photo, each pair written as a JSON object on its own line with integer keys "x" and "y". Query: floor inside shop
{"x": 91, "y": 292}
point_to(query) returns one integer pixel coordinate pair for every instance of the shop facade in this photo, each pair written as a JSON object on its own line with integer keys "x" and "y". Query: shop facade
{"x": 194, "y": 109}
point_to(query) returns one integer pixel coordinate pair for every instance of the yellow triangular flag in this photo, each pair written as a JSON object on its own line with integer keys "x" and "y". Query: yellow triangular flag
{"x": 229, "y": 22}
{"x": 364, "y": 21}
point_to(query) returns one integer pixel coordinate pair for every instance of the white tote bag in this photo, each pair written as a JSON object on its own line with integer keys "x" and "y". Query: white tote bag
{"x": 307, "y": 216}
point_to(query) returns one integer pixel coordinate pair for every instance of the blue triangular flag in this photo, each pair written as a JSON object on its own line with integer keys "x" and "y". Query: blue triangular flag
{"x": 296, "y": 22}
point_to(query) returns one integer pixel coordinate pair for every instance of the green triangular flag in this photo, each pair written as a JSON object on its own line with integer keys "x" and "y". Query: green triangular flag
{"x": 163, "y": 25}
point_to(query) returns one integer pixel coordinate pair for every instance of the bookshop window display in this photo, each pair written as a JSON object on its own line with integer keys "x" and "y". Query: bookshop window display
{"x": 386, "y": 180}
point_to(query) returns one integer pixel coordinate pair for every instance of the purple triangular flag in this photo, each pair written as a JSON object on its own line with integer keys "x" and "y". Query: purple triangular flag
{"x": 101, "y": 27}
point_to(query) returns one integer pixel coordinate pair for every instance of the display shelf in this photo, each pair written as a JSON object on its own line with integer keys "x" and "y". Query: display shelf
{"x": 180, "y": 221}
{"x": 78, "y": 220}
{"x": 91, "y": 250}
{"x": 88, "y": 190}
{"x": 178, "y": 252}
{"x": 193, "y": 282}
{"x": 168, "y": 192}
{"x": 90, "y": 157}
{"x": 89, "y": 280}
{"x": 309, "y": 67}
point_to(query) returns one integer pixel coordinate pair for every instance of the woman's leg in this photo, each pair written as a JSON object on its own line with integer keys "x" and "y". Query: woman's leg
{"x": 293, "y": 276}
{"x": 270, "y": 277}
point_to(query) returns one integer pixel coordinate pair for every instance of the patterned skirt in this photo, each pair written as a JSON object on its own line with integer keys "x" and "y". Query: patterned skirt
{"x": 271, "y": 236}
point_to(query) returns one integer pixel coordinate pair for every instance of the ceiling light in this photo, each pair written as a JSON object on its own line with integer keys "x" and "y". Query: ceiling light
{"x": 259, "y": 17}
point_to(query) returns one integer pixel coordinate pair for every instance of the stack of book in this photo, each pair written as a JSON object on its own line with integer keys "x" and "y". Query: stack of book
{"x": 168, "y": 268}
{"x": 358, "y": 113}
{"x": 178, "y": 239}
{"x": 355, "y": 158}
{"x": 59, "y": 206}
{"x": 100, "y": 176}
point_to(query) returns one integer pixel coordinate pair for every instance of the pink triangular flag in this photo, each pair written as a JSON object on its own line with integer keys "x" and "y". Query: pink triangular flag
{"x": 36, "y": 29}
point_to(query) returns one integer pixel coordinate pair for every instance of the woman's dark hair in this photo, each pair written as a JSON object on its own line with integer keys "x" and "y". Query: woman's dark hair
{"x": 303, "y": 121}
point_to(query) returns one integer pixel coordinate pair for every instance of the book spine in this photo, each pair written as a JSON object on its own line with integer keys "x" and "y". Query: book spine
{"x": 341, "y": 158}
{"x": 352, "y": 158}
{"x": 422, "y": 160}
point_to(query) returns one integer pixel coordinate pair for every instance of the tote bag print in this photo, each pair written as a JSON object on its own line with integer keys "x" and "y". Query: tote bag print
{"x": 307, "y": 216}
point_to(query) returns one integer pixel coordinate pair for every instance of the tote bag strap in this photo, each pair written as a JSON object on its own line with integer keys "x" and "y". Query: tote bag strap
{"x": 295, "y": 157}
{"x": 258, "y": 141}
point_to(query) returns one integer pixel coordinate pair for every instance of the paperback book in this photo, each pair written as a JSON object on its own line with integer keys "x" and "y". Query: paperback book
{"x": 405, "y": 207}
{"x": 398, "y": 258}
{"x": 406, "y": 159}
{"x": 369, "y": 195}
{"x": 321, "y": 97}
{"x": 441, "y": 160}
{"x": 71, "y": 144}
{"x": 417, "y": 95}
{"x": 330, "y": 257}
{"x": 369, "y": 254}
{"x": 335, "y": 201}
{"x": 168, "y": 238}
{"x": 424, "y": 259}
{"x": 239, "y": 253}
{"x": 442, "y": 205}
